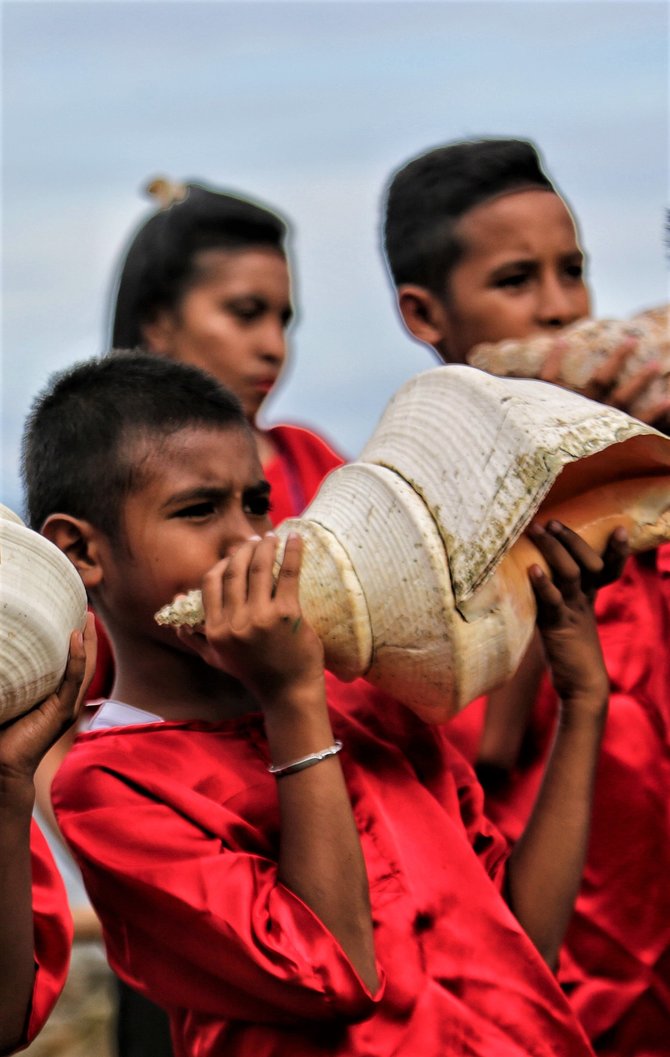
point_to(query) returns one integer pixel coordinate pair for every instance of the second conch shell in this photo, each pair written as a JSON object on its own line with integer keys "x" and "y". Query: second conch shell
{"x": 415, "y": 563}
{"x": 585, "y": 348}
{"x": 42, "y": 600}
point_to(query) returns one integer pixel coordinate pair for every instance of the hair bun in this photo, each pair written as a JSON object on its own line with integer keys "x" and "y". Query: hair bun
{"x": 166, "y": 192}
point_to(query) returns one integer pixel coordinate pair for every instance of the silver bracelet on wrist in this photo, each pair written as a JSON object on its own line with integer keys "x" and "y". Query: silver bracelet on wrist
{"x": 305, "y": 761}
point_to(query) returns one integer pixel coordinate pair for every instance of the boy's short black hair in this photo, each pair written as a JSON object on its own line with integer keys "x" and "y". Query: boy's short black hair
{"x": 79, "y": 436}
{"x": 428, "y": 195}
{"x": 159, "y": 262}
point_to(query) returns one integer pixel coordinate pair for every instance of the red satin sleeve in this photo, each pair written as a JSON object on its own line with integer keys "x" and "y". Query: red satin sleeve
{"x": 53, "y": 933}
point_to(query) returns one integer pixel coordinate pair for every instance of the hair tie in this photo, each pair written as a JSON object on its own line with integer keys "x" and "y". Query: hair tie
{"x": 166, "y": 192}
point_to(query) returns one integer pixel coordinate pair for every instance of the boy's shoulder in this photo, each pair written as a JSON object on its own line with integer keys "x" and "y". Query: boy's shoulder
{"x": 129, "y": 754}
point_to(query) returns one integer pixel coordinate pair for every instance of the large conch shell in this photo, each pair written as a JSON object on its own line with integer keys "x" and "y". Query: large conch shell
{"x": 415, "y": 566}
{"x": 586, "y": 345}
{"x": 42, "y": 600}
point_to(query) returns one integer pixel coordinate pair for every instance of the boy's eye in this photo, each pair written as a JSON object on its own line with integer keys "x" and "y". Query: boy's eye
{"x": 257, "y": 506}
{"x": 246, "y": 311}
{"x": 196, "y": 510}
{"x": 513, "y": 281}
{"x": 575, "y": 271}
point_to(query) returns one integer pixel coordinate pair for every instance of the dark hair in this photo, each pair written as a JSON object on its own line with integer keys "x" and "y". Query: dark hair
{"x": 427, "y": 197}
{"x": 159, "y": 263}
{"x": 77, "y": 450}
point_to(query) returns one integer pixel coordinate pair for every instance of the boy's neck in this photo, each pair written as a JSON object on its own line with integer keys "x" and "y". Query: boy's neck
{"x": 175, "y": 685}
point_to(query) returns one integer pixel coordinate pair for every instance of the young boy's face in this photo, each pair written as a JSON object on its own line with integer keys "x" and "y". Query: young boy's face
{"x": 521, "y": 273}
{"x": 201, "y": 492}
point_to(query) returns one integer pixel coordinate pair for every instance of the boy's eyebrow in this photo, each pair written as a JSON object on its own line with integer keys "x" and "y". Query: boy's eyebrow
{"x": 214, "y": 493}
{"x": 261, "y": 487}
{"x": 530, "y": 262}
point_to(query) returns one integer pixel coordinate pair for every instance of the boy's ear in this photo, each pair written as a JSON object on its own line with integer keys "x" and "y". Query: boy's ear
{"x": 80, "y": 542}
{"x": 158, "y": 334}
{"x": 424, "y": 314}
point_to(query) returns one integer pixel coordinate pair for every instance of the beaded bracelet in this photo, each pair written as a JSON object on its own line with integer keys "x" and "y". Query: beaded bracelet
{"x": 306, "y": 761}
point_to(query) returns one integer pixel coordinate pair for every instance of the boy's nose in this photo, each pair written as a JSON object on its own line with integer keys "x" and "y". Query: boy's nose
{"x": 558, "y": 306}
{"x": 242, "y": 530}
{"x": 273, "y": 343}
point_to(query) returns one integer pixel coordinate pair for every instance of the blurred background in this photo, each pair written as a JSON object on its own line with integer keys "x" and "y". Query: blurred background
{"x": 309, "y": 107}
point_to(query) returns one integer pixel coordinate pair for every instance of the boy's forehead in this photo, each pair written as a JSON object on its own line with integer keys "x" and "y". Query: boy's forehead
{"x": 208, "y": 452}
{"x": 526, "y": 220}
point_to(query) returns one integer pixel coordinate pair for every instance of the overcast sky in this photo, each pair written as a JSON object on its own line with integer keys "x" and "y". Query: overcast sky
{"x": 309, "y": 107}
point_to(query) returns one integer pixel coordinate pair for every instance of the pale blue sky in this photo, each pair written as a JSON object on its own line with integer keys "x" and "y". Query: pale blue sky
{"x": 309, "y": 107}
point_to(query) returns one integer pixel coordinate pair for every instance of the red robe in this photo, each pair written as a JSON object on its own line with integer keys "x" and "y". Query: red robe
{"x": 176, "y": 829}
{"x": 53, "y": 934}
{"x": 295, "y": 473}
{"x": 616, "y": 959}
{"x": 303, "y": 459}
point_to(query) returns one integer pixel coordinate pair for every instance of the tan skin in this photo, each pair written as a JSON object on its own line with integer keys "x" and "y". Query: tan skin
{"x": 23, "y": 743}
{"x": 197, "y": 519}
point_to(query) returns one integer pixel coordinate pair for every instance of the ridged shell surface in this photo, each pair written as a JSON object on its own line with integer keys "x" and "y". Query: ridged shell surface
{"x": 42, "y": 600}
{"x": 483, "y": 452}
{"x": 429, "y": 522}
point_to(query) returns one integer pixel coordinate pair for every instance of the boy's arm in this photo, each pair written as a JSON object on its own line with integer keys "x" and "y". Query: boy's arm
{"x": 255, "y": 631}
{"x": 545, "y": 868}
{"x": 23, "y": 742}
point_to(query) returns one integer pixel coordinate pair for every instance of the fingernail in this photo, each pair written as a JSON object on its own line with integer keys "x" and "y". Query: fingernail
{"x": 621, "y": 534}
{"x": 535, "y": 529}
{"x": 253, "y": 539}
{"x": 554, "y": 526}
{"x": 271, "y": 535}
{"x": 294, "y": 535}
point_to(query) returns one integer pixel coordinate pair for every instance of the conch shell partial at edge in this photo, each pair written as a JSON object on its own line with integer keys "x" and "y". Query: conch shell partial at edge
{"x": 586, "y": 346}
{"x": 42, "y": 600}
{"x": 415, "y": 564}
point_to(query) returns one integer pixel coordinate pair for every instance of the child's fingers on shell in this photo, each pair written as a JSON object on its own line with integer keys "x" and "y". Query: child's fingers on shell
{"x": 583, "y": 553}
{"x": 551, "y": 368}
{"x": 548, "y": 598}
{"x": 658, "y": 415}
{"x": 565, "y": 569}
{"x": 260, "y": 576}
{"x": 606, "y": 375}
{"x": 288, "y": 578}
{"x": 213, "y": 590}
{"x": 614, "y": 557}
{"x": 75, "y": 671}
{"x": 635, "y": 386}
{"x": 90, "y": 646}
{"x": 235, "y": 579}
